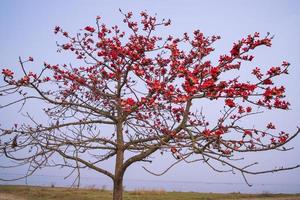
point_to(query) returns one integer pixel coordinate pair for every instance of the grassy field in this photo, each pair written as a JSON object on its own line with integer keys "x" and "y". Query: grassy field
{"x": 48, "y": 193}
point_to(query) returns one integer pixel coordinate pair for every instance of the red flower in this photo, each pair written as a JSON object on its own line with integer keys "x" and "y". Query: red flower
{"x": 7, "y": 72}
{"x": 46, "y": 79}
{"x": 25, "y": 80}
{"x": 235, "y": 51}
{"x": 206, "y": 132}
{"x": 274, "y": 71}
{"x": 156, "y": 85}
{"x": 215, "y": 71}
{"x": 241, "y": 109}
{"x": 282, "y": 139}
{"x": 30, "y": 59}
{"x": 208, "y": 83}
{"x": 257, "y": 73}
{"x": 56, "y": 29}
{"x": 173, "y": 150}
{"x": 273, "y": 141}
{"x": 271, "y": 126}
{"x": 285, "y": 63}
{"x": 267, "y": 82}
{"x": 193, "y": 80}
{"x": 248, "y": 109}
{"x": 66, "y": 46}
{"x": 65, "y": 34}
{"x": 230, "y": 103}
{"x": 219, "y": 132}
{"x": 248, "y": 132}
{"x": 128, "y": 102}
{"x": 90, "y": 29}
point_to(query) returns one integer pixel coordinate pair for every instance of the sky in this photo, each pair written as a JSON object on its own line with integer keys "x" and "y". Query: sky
{"x": 27, "y": 30}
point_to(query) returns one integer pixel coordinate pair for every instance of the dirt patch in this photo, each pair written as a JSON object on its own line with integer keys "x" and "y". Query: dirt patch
{"x": 7, "y": 196}
{"x": 274, "y": 198}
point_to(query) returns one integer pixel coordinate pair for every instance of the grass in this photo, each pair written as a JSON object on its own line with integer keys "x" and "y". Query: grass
{"x": 48, "y": 193}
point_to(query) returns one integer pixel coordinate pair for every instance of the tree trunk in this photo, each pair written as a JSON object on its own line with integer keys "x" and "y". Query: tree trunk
{"x": 118, "y": 189}
{"x": 119, "y": 172}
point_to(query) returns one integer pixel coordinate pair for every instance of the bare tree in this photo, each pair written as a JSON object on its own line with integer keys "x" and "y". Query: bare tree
{"x": 138, "y": 93}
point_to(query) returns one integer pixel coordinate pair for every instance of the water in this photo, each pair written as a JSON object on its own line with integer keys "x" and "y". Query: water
{"x": 132, "y": 184}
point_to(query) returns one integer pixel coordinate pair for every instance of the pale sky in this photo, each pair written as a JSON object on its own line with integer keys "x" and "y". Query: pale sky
{"x": 27, "y": 30}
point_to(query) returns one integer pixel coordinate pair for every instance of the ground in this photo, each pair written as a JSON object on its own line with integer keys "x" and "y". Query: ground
{"x": 48, "y": 193}
{"x": 6, "y": 196}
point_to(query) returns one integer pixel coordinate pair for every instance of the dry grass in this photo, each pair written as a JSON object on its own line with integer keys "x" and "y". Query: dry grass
{"x": 143, "y": 191}
{"x": 48, "y": 193}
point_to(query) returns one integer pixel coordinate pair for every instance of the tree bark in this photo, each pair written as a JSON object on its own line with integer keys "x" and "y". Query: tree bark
{"x": 118, "y": 179}
{"x": 118, "y": 188}
{"x": 119, "y": 172}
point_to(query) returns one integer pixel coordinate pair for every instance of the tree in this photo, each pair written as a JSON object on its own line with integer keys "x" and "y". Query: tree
{"x": 137, "y": 94}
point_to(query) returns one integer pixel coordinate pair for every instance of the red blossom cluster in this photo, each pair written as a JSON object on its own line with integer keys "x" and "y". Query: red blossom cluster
{"x": 154, "y": 80}
{"x": 89, "y": 29}
{"x": 7, "y": 72}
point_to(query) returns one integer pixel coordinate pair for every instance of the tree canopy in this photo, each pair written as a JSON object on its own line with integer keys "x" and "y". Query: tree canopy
{"x": 137, "y": 93}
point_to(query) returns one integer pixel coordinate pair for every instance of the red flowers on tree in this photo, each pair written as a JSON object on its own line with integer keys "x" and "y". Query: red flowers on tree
{"x": 30, "y": 59}
{"x": 89, "y": 29}
{"x": 230, "y": 103}
{"x": 148, "y": 89}
{"x": 7, "y": 73}
{"x": 235, "y": 51}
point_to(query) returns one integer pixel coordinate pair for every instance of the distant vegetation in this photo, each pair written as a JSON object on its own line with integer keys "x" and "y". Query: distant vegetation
{"x": 52, "y": 193}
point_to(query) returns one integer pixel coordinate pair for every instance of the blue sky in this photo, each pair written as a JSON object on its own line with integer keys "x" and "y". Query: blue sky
{"x": 27, "y": 30}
